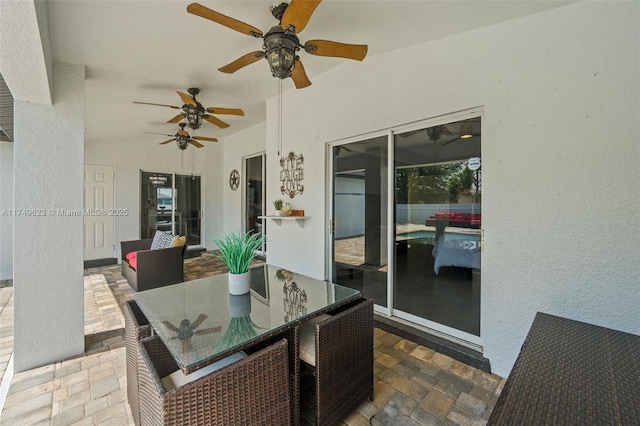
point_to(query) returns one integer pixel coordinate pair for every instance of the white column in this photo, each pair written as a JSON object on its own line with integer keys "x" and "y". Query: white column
{"x": 6, "y": 204}
{"x": 48, "y": 245}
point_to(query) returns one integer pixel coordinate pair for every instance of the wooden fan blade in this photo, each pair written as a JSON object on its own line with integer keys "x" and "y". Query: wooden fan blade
{"x": 149, "y": 103}
{"x": 177, "y": 118}
{"x": 202, "y": 138}
{"x": 153, "y": 133}
{"x": 298, "y": 13}
{"x": 299, "y": 76}
{"x": 167, "y": 141}
{"x": 209, "y": 330}
{"x": 335, "y": 49}
{"x": 452, "y": 140}
{"x": 170, "y": 326}
{"x": 186, "y": 345}
{"x": 228, "y": 111}
{"x": 234, "y": 24}
{"x": 243, "y": 61}
{"x": 198, "y": 321}
{"x": 187, "y": 98}
{"x": 213, "y": 120}
{"x": 195, "y": 143}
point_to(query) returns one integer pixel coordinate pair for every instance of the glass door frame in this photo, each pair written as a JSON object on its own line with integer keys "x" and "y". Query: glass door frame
{"x": 244, "y": 206}
{"x": 174, "y": 175}
{"x": 466, "y": 339}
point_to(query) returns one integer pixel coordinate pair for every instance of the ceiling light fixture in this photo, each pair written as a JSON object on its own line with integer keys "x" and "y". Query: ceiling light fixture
{"x": 281, "y": 45}
{"x": 193, "y": 114}
{"x": 466, "y": 130}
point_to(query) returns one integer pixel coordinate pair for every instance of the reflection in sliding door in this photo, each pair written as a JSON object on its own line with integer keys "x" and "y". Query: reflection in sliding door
{"x": 437, "y": 227}
{"x": 360, "y": 193}
{"x": 156, "y": 203}
{"x": 254, "y": 192}
{"x": 188, "y": 210}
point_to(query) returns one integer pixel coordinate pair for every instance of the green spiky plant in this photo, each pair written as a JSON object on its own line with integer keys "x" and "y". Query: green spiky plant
{"x": 240, "y": 330}
{"x": 277, "y": 204}
{"x": 238, "y": 249}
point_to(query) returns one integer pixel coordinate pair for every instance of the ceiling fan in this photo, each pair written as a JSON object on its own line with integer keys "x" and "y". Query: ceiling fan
{"x": 187, "y": 330}
{"x": 281, "y": 42}
{"x": 183, "y": 138}
{"x": 194, "y": 112}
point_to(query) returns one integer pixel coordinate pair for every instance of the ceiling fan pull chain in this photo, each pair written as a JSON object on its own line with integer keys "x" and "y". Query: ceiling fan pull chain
{"x": 279, "y": 116}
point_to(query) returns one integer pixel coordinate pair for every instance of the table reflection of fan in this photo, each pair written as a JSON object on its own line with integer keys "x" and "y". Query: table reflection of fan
{"x": 183, "y": 138}
{"x": 194, "y": 112}
{"x": 187, "y": 330}
{"x": 280, "y": 43}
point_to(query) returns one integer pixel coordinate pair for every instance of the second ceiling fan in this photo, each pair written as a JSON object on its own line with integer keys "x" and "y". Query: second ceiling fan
{"x": 183, "y": 138}
{"x": 194, "y": 112}
{"x": 281, "y": 42}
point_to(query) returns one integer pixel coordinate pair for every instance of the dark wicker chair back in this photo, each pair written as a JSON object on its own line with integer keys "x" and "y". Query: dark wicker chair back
{"x": 344, "y": 362}
{"x": 252, "y": 391}
{"x": 136, "y": 328}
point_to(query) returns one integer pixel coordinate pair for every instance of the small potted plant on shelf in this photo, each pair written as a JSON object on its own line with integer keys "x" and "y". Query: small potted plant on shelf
{"x": 277, "y": 204}
{"x": 237, "y": 250}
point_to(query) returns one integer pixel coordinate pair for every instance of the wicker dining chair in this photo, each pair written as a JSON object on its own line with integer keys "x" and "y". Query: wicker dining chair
{"x": 136, "y": 327}
{"x": 252, "y": 391}
{"x": 343, "y": 370}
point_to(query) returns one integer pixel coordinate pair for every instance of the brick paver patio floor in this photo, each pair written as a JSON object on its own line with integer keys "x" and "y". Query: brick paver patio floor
{"x": 413, "y": 384}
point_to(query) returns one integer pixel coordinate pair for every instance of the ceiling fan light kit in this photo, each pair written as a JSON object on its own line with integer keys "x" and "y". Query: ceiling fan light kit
{"x": 281, "y": 47}
{"x": 466, "y": 131}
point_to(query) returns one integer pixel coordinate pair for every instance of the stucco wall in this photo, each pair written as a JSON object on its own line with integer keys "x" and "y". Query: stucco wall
{"x": 48, "y": 246}
{"x": 561, "y": 216}
{"x": 243, "y": 144}
{"x": 6, "y": 202}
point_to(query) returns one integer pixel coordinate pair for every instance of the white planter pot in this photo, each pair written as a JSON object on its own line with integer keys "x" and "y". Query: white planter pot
{"x": 278, "y": 213}
{"x": 239, "y": 306}
{"x": 239, "y": 283}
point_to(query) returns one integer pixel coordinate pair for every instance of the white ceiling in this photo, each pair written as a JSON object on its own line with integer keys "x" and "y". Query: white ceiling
{"x": 146, "y": 50}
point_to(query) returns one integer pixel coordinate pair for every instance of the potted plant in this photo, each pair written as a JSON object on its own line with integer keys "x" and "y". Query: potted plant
{"x": 241, "y": 327}
{"x": 277, "y": 204}
{"x": 237, "y": 250}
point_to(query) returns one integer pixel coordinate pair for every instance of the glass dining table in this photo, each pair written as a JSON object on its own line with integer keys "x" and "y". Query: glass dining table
{"x": 200, "y": 322}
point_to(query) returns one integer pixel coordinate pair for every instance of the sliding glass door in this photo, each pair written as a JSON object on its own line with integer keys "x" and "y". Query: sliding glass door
{"x": 255, "y": 206}
{"x": 412, "y": 240}
{"x": 437, "y": 227}
{"x": 188, "y": 208}
{"x": 171, "y": 203}
{"x": 359, "y": 239}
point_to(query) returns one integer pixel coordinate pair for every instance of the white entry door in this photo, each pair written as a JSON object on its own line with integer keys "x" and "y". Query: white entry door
{"x": 98, "y": 203}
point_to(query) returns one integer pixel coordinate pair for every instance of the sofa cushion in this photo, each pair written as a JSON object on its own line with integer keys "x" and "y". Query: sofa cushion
{"x": 308, "y": 339}
{"x": 133, "y": 260}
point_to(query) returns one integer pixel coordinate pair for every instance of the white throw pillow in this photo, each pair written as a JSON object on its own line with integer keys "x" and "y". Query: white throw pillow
{"x": 156, "y": 240}
{"x": 162, "y": 240}
{"x": 178, "y": 378}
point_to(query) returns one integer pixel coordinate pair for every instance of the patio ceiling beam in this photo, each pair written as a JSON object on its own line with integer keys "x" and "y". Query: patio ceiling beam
{"x": 25, "y": 53}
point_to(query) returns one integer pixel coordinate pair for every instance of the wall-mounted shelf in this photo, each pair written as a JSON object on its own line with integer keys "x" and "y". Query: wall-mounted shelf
{"x": 279, "y": 219}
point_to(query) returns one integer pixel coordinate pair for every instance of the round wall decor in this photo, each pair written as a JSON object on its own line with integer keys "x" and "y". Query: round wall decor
{"x": 234, "y": 179}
